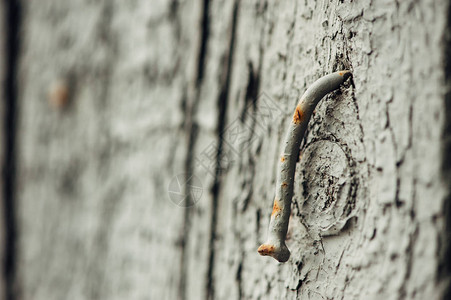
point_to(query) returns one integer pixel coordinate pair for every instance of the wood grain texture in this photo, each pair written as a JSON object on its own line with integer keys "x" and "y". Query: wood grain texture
{"x": 156, "y": 89}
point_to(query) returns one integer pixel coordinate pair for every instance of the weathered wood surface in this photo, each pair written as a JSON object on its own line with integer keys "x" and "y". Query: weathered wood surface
{"x": 152, "y": 88}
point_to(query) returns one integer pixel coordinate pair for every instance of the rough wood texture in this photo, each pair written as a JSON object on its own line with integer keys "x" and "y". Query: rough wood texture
{"x": 146, "y": 91}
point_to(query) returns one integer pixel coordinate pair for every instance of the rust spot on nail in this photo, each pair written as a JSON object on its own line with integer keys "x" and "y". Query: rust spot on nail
{"x": 275, "y": 208}
{"x": 282, "y": 159}
{"x": 297, "y": 117}
{"x": 266, "y": 249}
{"x": 341, "y": 73}
{"x": 284, "y": 184}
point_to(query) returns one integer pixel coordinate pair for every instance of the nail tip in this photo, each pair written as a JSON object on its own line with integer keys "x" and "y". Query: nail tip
{"x": 280, "y": 253}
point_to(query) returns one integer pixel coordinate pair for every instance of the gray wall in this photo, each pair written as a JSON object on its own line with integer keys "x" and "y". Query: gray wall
{"x": 115, "y": 98}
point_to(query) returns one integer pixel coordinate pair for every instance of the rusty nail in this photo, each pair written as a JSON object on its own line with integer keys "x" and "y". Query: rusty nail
{"x": 278, "y": 226}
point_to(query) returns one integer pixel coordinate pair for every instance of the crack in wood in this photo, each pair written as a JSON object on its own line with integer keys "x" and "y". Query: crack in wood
{"x": 222, "y": 113}
{"x": 190, "y": 107}
{"x": 13, "y": 20}
{"x": 444, "y": 265}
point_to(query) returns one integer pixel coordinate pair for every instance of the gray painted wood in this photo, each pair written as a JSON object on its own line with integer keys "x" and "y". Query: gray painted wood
{"x": 158, "y": 89}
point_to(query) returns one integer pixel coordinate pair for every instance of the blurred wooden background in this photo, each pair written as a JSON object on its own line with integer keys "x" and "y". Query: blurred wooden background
{"x": 107, "y": 102}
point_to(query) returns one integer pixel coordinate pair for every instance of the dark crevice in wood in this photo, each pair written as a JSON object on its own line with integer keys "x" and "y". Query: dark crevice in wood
{"x": 12, "y": 19}
{"x": 253, "y": 86}
{"x": 191, "y": 131}
{"x": 173, "y": 11}
{"x": 189, "y": 107}
{"x": 203, "y": 42}
{"x": 239, "y": 281}
{"x": 444, "y": 266}
{"x": 258, "y": 216}
{"x": 250, "y": 103}
{"x": 107, "y": 39}
{"x": 225, "y": 79}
